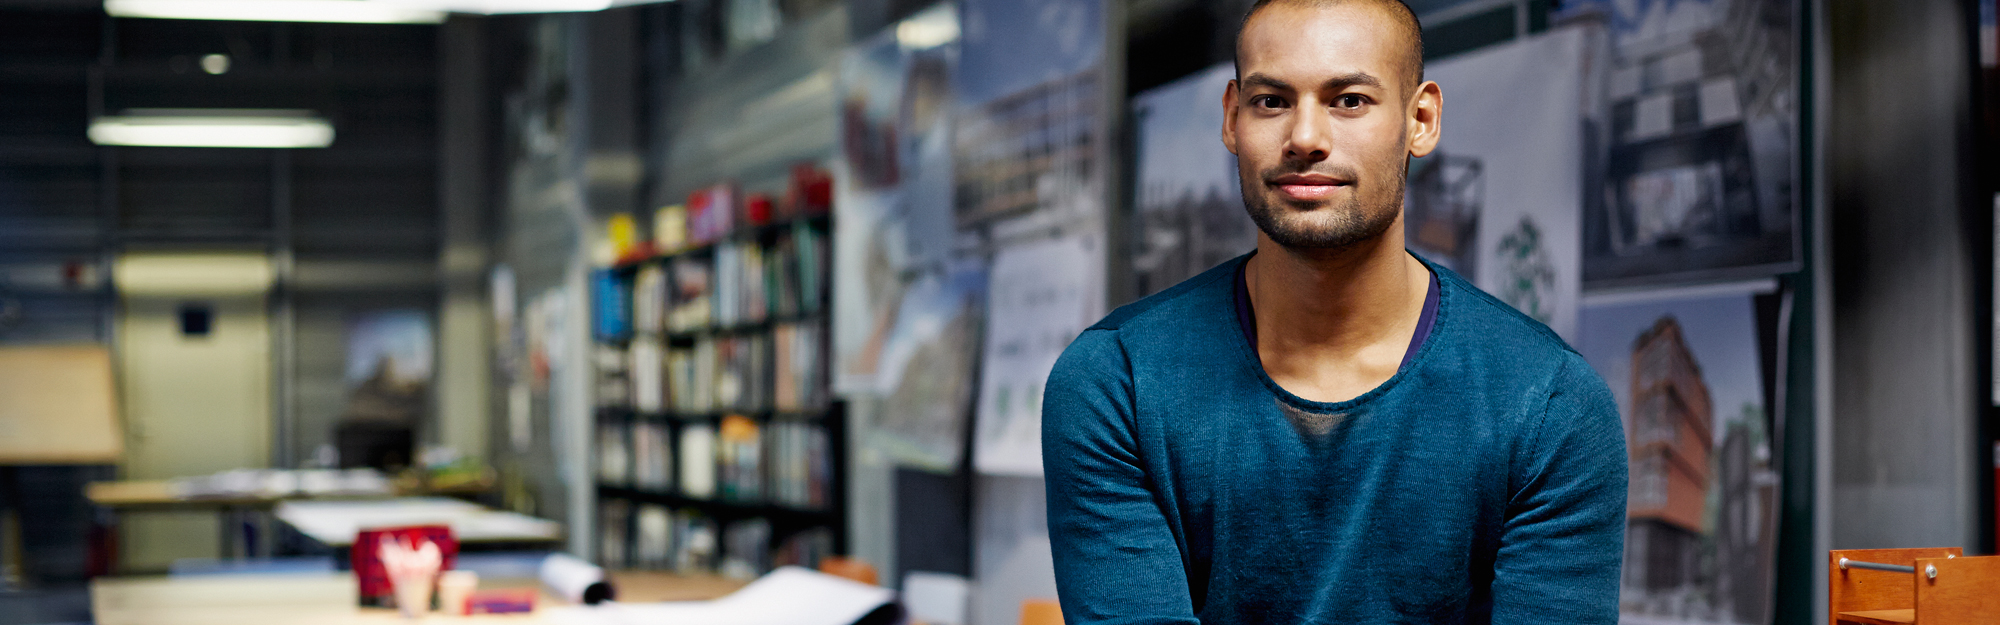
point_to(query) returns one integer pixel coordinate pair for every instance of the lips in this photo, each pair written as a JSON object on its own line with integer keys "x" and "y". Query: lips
{"x": 1308, "y": 186}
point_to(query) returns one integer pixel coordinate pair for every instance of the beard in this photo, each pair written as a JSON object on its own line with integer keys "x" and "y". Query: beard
{"x": 1332, "y": 225}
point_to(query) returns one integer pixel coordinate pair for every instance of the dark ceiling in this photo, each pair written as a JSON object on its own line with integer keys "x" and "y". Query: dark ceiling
{"x": 372, "y": 195}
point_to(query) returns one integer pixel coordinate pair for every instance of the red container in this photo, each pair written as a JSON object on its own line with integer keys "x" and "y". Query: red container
{"x": 367, "y": 559}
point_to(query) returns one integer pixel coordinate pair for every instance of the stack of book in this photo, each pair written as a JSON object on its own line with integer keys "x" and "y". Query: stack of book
{"x": 799, "y": 465}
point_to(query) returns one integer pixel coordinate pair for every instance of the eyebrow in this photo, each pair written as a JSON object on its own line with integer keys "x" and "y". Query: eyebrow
{"x": 1336, "y": 82}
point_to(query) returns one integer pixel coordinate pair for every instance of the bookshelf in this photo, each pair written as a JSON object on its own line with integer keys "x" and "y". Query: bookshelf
{"x": 720, "y": 448}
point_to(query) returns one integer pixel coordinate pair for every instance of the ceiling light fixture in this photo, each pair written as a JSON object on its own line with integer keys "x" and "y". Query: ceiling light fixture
{"x": 215, "y": 64}
{"x": 213, "y": 128}
{"x": 339, "y": 11}
{"x": 347, "y": 11}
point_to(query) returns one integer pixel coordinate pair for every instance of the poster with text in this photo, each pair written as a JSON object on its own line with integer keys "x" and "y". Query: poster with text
{"x": 1190, "y": 214}
{"x": 1498, "y": 200}
{"x": 1041, "y": 295}
{"x": 1693, "y": 140}
{"x": 1701, "y": 515}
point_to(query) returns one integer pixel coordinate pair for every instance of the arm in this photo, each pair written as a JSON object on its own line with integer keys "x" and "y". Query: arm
{"x": 1116, "y": 559}
{"x": 1564, "y": 536}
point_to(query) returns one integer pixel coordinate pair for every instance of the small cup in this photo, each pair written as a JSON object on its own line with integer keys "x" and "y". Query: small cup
{"x": 413, "y": 594}
{"x": 454, "y": 587}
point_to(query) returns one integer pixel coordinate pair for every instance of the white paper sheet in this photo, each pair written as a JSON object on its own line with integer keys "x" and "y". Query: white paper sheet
{"x": 788, "y": 596}
{"x": 1042, "y": 295}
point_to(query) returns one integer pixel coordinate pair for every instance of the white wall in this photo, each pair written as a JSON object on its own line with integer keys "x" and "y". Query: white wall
{"x": 193, "y": 405}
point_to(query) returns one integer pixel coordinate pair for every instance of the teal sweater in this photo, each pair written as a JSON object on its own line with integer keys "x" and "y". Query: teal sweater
{"x": 1484, "y": 483}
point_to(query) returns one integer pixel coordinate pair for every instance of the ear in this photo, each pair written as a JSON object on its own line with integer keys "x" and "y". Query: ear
{"x": 1229, "y": 117}
{"x": 1426, "y": 119}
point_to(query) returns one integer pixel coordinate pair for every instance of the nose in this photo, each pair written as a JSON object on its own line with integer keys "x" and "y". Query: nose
{"x": 1311, "y": 135}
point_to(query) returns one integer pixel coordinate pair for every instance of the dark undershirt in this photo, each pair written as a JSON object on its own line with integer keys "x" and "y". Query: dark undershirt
{"x": 1247, "y": 317}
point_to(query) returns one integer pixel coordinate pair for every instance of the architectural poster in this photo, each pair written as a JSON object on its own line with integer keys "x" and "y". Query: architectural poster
{"x": 1701, "y": 511}
{"x": 1694, "y": 140}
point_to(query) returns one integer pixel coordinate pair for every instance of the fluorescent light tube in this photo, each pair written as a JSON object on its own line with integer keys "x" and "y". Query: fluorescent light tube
{"x": 213, "y": 128}
{"x": 342, "y": 11}
{"x": 500, "y": 7}
{"x": 347, "y": 11}
{"x": 193, "y": 274}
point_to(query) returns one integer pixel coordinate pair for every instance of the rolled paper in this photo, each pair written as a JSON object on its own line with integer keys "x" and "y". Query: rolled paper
{"x": 575, "y": 580}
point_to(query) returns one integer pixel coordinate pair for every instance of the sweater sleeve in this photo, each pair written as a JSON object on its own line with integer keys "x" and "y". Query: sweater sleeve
{"x": 1564, "y": 535}
{"x": 1116, "y": 559}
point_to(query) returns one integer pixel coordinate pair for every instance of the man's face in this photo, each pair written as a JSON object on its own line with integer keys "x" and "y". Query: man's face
{"x": 1322, "y": 121}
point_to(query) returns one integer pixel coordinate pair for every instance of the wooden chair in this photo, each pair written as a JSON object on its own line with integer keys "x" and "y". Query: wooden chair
{"x": 1911, "y": 587}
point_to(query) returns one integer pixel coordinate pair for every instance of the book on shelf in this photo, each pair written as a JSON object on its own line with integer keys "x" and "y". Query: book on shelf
{"x": 796, "y": 367}
{"x": 653, "y": 549}
{"x": 731, "y": 359}
{"x": 648, "y": 382}
{"x": 614, "y": 453}
{"x": 697, "y": 461}
{"x": 649, "y": 300}
{"x": 800, "y": 467}
{"x": 613, "y": 518}
{"x": 746, "y": 549}
{"x": 613, "y": 391}
{"x": 690, "y": 306}
{"x": 739, "y": 455}
{"x": 779, "y": 369}
{"x": 652, "y": 456}
{"x": 695, "y": 543}
{"x": 611, "y": 305}
{"x": 811, "y": 255}
{"x": 614, "y": 383}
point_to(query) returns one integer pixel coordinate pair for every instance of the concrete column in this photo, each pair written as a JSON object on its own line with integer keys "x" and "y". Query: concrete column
{"x": 1904, "y": 246}
{"x": 465, "y": 337}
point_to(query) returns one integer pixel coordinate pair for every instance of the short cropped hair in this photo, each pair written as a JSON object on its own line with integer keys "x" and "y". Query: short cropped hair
{"x": 1413, "y": 57}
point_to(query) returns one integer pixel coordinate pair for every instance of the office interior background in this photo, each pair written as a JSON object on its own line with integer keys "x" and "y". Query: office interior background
{"x": 722, "y": 285}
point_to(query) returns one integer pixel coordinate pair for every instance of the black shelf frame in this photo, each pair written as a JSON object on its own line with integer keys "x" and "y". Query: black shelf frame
{"x": 829, "y": 414}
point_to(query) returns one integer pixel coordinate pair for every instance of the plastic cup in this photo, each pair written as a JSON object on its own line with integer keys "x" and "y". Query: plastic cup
{"x": 454, "y": 587}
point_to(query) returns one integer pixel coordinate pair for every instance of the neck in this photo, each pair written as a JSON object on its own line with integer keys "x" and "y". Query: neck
{"x": 1358, "y": 303}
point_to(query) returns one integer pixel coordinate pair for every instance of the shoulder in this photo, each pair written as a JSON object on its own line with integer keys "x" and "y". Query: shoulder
{"x": 1498, "y": 325}
{"x": 1175, "y": 302}
{"x": 1490, "y": 345}
{"x": 1484, "y": 334}
{"x": 1151, "y": 331}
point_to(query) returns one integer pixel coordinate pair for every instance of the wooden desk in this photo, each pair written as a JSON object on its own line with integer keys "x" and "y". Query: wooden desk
{"x": 233, "y": 510}
{"x": 160, "y": 494}
{"x": 329, "y": 599}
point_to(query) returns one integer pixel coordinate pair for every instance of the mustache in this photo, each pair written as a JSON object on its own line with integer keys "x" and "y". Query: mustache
{"x": 1337, "y": 172}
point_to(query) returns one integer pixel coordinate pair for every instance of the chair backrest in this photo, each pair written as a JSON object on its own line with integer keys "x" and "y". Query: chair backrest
{"x": 1962, "y": 593}
{"x": 1041, "y": 612}
{"x": 1856, "y": 589}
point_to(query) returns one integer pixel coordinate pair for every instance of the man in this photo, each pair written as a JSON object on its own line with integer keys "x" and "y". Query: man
{"x": 1330, "y": 429}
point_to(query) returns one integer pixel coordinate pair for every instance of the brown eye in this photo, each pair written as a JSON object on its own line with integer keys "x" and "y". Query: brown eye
{"x": 1267, "y": 102}
{"x": 1349, "y": 101}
